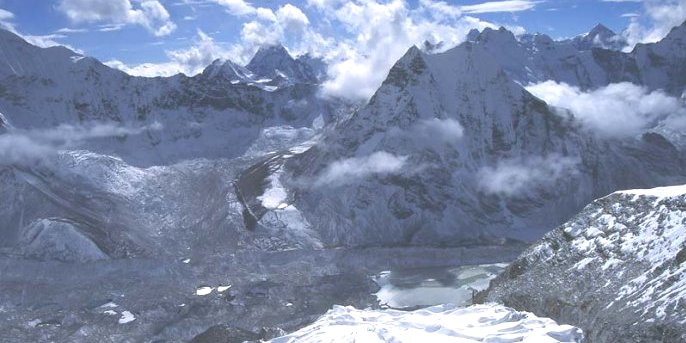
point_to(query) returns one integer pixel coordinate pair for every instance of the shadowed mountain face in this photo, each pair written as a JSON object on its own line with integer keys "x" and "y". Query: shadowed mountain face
{"x": 482, "y": 160}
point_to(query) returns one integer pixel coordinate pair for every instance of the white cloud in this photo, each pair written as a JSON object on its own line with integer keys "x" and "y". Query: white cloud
{"x": 381, "y": 33}
{"x": 150, "y": 14}
{"x": 352, "y": 169}
{"x": 499, "y": 6}
{"x": 515, "y": 176}
{"x": 292, "y": 18}
{"x": 360, "y": 40}
{"x": 441, "y": 9}
{"x": 5, "y": 14}
{"x": 21, "y": 147}
{"x": 268, "y": 27}
{"x": 237, "y": 7}
{"x": 70, "y": 30}
{"x": 617, "y": 110}
{"x": 662, "y": 15}
{"x": 630, "y": 15}
{"x": 6, "y": 20}
{"x": 444, "y": 130}
{"x": 190, "y": 61}
{"x": 43, "y": 41}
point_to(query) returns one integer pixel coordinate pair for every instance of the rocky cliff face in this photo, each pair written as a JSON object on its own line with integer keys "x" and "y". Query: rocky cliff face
{"x": 617, "y": 269}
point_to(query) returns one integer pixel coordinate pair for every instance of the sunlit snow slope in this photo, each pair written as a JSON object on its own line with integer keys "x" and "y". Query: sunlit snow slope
{"x": 443, "y": 323}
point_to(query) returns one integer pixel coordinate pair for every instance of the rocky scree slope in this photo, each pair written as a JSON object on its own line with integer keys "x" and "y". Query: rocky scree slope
{"x": 617, "y": 269}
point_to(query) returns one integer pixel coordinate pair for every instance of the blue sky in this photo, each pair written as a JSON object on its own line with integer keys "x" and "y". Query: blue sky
{"x": 151, "y": 37}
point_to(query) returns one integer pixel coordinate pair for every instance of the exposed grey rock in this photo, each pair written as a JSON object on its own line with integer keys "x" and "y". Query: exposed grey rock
{"x": 617, "y": 270}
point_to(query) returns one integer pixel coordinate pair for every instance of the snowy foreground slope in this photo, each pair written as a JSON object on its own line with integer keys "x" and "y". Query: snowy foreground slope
{"x": 442, "y": 323}
{"x": 617, "y": 269}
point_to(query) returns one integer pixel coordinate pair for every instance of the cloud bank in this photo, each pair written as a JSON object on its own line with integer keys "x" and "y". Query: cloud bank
{"x": 515, "y": 176}
{"x": 617, "y": 110}
{"x": 352, "y": 169}
{"x": 26, "y": 147}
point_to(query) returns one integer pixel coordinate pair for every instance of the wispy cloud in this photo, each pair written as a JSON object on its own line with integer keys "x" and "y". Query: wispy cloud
{"x": 516, "y": 176}
{"x": 237, "y": 7}
{"x": 617, "y": 110}
{"x": 499, "y": 6}
{"x": 189, "y": 61}
{"x": 352, "y": 169}
{"x": 659, "y": 17}
{"x": 71, "y": 30}
{"x": 22, "y": 147}
{"x": 43, "y": 41}
{"x": 360, "y": 40}
{"x": 630, "y": 15}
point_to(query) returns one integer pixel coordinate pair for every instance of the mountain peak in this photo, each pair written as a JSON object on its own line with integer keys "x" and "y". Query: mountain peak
{"x": 274, "y": 62}
{"x": 499, "y": 36}
{"x": 226, "y": 69}
{"x": 600, "y": 37}
{"x": 601, "y": 29}
{"x": 269, "y": 53}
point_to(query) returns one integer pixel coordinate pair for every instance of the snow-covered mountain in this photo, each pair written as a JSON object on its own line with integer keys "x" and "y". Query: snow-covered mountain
{"x": 274, "y": 62}
{"x": 218, "y": 113}
{"x": 600, "y": 37}
{"x": 589, "y": 61}
{"x": 451, "y": 150}
{"x": 271, "y": 68}
{"x": 617, "y": 269}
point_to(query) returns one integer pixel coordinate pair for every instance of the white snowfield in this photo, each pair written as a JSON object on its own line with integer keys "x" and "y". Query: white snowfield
{"x": 443, "y": 323}
{"x": 659, "y": 192}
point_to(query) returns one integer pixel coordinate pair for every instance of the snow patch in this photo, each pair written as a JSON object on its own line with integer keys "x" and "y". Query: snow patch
{"x": 126, "y": 317}
{"x": 202, "y": 291}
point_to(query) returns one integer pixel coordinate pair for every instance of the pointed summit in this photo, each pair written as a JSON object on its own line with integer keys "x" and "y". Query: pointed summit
{"x": 600, "y": 37}
{"x": 274, "y": 62}
{"x": 601, "y": 29}
{"x": 227, "y": 69}
{"x": 268, "y": 54}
